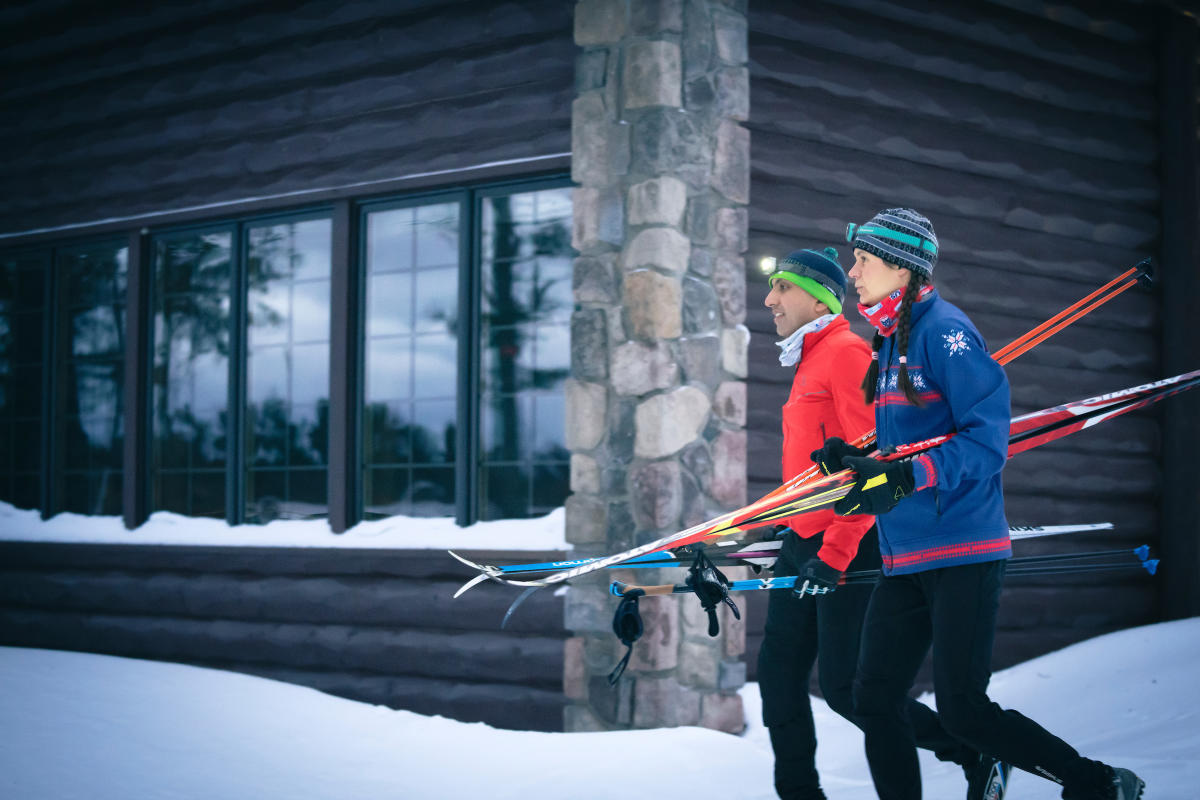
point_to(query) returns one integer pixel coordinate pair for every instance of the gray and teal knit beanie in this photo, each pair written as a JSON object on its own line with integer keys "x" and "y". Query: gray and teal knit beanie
{"x": 819, "y": 274}
{"x": 900, "y": 236}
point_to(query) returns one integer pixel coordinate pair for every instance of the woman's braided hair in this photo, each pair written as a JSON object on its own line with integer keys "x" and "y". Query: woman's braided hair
{"x": 903, "y": 327}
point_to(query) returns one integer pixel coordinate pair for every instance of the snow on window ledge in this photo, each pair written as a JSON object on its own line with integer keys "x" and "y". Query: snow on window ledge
{"x": 392, "y": 533}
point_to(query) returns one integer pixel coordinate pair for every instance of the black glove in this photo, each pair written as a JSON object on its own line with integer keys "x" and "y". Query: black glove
{"x": 817, "y": 577}
{"x": 831, "y": 454}
{"x": 880, "y": 485}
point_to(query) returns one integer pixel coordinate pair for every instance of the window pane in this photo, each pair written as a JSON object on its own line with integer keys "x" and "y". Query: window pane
{"x": 411, "y": 381}
{"x": 22, "y": 339}
{"x": 190, "y": 359}
{"x": 287, "y": 368}
{"x": 527, "y": 302}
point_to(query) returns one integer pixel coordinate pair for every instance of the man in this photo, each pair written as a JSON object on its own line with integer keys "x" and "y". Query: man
{"x": 826, "y": 400}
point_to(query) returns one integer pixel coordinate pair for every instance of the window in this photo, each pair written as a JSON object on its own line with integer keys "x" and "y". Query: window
{"x": 190, "y": 376}
{"x": 525, "y": 334}
{"x": 410, "y": 386}
{"x": 287, "y": 370}
{"x": 90, "y": 379}
{"x": 23, "y": 290}
{"x": 457, "y": 347}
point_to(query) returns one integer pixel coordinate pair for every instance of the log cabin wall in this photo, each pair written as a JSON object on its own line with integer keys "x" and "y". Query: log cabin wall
{"x": 1029, "y": 134}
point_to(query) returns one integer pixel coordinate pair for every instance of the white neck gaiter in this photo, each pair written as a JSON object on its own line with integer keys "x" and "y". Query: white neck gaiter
{"x": 792, "y": 347}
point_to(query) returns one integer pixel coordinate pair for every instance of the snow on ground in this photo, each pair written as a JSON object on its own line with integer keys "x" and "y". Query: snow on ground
{"x": 102, "y": 728}
{"x": 164, "y": 527}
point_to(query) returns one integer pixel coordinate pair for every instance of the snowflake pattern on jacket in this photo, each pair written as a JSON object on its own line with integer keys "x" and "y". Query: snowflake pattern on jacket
{"x": 956, "y": 342}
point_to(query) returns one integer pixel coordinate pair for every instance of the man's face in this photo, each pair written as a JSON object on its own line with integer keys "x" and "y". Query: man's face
{"x": 792, "y": 307}
{"x": 874, "y": 278}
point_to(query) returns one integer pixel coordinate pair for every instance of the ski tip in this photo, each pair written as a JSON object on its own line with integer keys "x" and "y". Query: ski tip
{"x": 1151, "y": 565}
{"x": 478, "y": 579}
{"x": 1142, "y": 552}
{"x": 516, "y": 603}
{"x": 1146, "y": 270}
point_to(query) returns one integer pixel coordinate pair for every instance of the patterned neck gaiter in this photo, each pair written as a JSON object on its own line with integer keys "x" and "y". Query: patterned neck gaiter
{"x": 884, "y": 315}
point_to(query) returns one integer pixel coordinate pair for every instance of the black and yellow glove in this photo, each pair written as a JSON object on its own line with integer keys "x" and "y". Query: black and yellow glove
{"x": 831, "y": 455}
{"x": 879, "y": 487}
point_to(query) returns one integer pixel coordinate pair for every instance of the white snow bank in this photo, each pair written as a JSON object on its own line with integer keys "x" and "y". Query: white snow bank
{"x": 103, "y": 728}
{"x": 405, "y": 533}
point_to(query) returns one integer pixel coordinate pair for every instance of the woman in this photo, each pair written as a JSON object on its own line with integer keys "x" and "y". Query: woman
{"x": 943, "y": 536}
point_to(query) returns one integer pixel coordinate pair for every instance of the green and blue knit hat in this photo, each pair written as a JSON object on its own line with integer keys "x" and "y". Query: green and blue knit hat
{"x": 900, "y": 236}
{"x": 818, "y": 273}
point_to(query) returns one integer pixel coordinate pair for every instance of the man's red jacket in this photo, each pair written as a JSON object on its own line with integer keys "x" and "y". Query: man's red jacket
{"x": 827, "y": 400}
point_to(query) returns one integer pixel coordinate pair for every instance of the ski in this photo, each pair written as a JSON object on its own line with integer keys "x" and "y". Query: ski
{"x": 761, "y": 553}
{"x": 1055, "y": 564}
{"x": 1029, "y": 431}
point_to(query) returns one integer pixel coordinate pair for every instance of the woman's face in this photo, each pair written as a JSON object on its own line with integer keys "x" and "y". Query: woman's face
{"x": 874, "y": 278}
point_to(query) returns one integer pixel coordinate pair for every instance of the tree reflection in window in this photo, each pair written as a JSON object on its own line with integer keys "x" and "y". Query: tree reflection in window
{"x": 89, "y": 397}
{"x": 22, "y": 315}
{"x": 410, "y": 413}
{"x": 287, "y": 371}
{"x": 526, "y": 310}
{"x": 191, "y": 372}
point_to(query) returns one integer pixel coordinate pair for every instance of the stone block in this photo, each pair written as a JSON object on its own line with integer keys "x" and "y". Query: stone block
{"x": 622, "y": 530}
{"x": 697, "y": 460}
{"x": 591, "y": 67}
{"x": 698, "y": 40}
{"x": 597, "y": 218}
{"x": 668, "y": 140}
{"x": 701, "y": 262}
{"x": 601, "y": 652}
{"x": 731, "y": 88}
{"x": 662, "y": 248}
{"x": 701, "y": 307}
{"x": 650, "y": 17}
{"x": 700, "y": 357}
{"x": 599, "y": 22}
{"x": 599, "y": 144}
{"x": 694, "y": 511}
{"x": 735, "y": 344}
{"x": 595, "y": 280}
{"x": 653, "y": 74}
{"x": 578, "y": 718}
{"x": 639, "y": 368}
{"x": 693, "y": 625}
{"x": 732, "y": 229}
{"x": 701, "y": 217}
{"x": 622, "y": 427}
{"x": 723, "y": 712}
{"x": 662, "y": 702}
{"x": 729, "y": 402}
{"x": 656, "y": 495}
{"x": 585, "y": 474}
{"x": 612, "y": 704}
{"x": 729, "y": 281}
{"x": 653, "y": 304}
{"x": 589, "y": 344}
{"x": 586, "y": 406}
{"x": 699, "y": 94}
{"x": 731, "y": 162}
{"x": 588, "y": 609}
{"x": 574, "y": 669}
{"x": 668, "y": 422}
{"x": 731, "y": 36}
{"x": 728, "y": 485}
{"x": 731, "y": 675}
{"x": 658, "y": 649}
{"x": 586, "y": 522}
{"x": 658, "y": 201}
{"x": 699, "y": 661}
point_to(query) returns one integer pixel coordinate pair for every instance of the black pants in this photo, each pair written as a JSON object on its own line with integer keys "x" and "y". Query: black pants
{"x": 825, "y": 630}
{"x": 953, "y": 610}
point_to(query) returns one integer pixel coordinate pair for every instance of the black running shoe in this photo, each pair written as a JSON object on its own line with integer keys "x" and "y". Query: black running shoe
{"x": 1126, "y": 785}
{"x": 987, "y": 779}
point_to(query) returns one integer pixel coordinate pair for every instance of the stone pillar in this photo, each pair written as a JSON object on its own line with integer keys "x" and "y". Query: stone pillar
{"x": 656, "y": 406}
